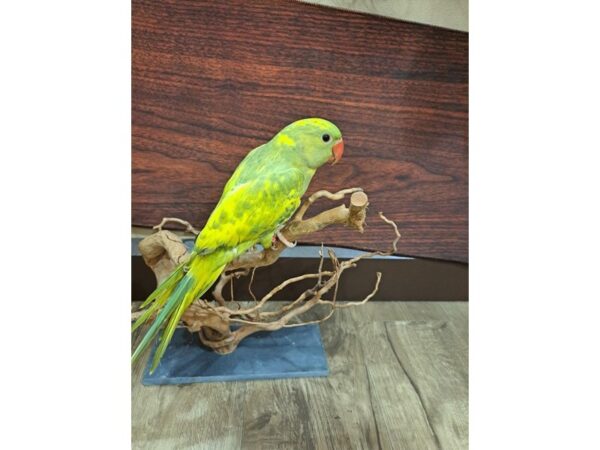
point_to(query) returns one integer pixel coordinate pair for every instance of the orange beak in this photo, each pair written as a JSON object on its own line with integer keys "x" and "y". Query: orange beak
{"x": 337, "y": 151}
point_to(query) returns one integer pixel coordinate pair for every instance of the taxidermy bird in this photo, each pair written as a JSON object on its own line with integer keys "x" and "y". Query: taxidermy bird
{"x": 259, "y": 198}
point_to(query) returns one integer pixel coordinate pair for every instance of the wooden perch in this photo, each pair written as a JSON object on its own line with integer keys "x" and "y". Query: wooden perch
{"x": 163, "y": 251}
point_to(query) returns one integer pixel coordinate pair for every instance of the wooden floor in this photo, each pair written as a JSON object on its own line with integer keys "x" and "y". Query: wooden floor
{"x": 399, "y": 380}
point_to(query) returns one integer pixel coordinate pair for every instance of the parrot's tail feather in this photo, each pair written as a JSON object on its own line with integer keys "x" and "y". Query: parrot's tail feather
{"x": 167, "y": 284}
{"x": 159, "y": 297}
{"x": 159, "y": 302}
{"x": 175, "y": 295}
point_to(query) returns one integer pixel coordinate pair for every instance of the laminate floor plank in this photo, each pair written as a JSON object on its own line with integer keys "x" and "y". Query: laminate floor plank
{"x": 434, "y": 358}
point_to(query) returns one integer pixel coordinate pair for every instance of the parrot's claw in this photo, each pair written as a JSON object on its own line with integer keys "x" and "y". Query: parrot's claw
{"x": 287, "y": 243}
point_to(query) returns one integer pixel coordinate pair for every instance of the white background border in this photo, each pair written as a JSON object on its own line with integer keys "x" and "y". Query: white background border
{"x": 65, "y": 181}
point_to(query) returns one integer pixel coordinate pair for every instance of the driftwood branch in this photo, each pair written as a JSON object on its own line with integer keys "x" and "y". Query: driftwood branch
{"x": 163, "y": 250}
{"x": 188, "y": 226}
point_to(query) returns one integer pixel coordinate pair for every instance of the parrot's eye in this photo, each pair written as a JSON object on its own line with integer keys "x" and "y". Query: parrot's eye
{"x": 326, "y": 138}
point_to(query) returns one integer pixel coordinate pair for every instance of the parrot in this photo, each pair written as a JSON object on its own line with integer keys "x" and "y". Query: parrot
{"x": 261, "y": 195}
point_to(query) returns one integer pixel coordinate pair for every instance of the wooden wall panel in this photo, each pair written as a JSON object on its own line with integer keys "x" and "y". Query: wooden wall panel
{"x": 212, "y": 80}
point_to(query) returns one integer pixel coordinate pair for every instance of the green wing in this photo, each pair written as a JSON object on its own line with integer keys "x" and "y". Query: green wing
{"x": 252, "y": 208}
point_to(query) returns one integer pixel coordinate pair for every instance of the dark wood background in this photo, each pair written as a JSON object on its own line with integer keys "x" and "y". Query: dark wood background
{"x": 212, "y": 80}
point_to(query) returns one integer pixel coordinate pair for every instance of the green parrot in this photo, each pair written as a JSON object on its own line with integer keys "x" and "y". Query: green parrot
{"x": 259, "y": 198}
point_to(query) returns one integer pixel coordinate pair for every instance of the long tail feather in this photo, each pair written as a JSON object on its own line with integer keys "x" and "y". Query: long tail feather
{"x": 155, "y": 306}
{"x": 175, "y": 295}
{"x": 167, "y": 283}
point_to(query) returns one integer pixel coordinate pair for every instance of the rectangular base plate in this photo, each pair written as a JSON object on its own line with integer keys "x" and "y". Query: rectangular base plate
{"x": 285, "y": 353}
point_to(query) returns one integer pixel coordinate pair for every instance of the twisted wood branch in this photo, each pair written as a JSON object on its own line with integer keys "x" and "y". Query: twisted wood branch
{"x": 164, "y": 250}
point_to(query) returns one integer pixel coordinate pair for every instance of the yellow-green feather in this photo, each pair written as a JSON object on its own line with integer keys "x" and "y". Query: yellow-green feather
{"x": 204, "y": 270}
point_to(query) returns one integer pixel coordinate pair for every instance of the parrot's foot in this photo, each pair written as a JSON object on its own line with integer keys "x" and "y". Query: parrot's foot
{"x": 287, "y": 243}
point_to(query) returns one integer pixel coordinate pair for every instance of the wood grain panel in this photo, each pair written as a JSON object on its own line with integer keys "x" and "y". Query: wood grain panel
{"x": 212, "y": 80}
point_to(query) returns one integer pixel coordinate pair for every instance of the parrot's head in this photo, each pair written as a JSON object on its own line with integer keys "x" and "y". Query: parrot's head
{"x": 316, "y": 141}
